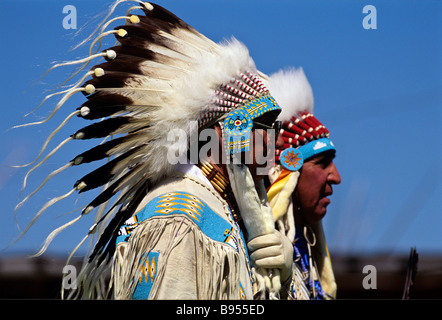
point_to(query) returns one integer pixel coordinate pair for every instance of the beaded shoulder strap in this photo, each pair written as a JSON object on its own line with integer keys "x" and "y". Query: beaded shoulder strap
{"x": 222, "y": 185}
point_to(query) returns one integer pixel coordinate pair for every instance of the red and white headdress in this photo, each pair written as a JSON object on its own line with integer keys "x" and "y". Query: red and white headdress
{"x": 303, "y": 134}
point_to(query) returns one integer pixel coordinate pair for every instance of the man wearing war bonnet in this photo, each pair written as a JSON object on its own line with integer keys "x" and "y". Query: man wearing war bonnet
{"x": 176, "y": 229}
{"x": 302, "y": 181}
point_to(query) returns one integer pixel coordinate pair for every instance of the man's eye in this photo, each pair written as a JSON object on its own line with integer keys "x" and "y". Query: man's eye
{"x": 324, "y": 162}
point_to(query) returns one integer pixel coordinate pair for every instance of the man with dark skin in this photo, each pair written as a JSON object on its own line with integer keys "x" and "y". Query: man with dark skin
{"x": 315, "y": 185}
{"x": 301, "y": 185}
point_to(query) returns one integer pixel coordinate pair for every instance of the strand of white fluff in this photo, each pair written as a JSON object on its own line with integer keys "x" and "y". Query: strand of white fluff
{"x": 39, "y": 213}
{"x": 292, "y": 90}
{"x": 53, "y": 234}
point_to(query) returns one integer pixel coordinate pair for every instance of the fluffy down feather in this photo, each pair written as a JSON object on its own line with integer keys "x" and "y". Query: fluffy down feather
{"x": 293, "y": 92}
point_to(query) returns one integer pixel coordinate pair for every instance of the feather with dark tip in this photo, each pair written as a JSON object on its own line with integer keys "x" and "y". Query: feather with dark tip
{"x": 163, "y": 15}
{"x": 110, "y": 126}
{"x": 109, "y": 80}
{"x": 102, "y": 151}
{"x": 110, "y": 148}
{"x": 117, "y": 186}
{"x": 106, "y": 242}
{"x": 132, "y": 63}
{"x": 110, "y": 170}
{"x": 96, "y": 153}
{"x": 145, "y": 36}
{"x": 129, "y": 50}
{"x": 102, "y": 104}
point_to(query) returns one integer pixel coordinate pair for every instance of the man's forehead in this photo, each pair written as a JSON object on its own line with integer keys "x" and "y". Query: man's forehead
{"x": 329, "y": 154}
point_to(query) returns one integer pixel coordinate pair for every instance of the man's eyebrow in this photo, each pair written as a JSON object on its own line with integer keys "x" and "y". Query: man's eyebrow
{"x": 329, "y": 155}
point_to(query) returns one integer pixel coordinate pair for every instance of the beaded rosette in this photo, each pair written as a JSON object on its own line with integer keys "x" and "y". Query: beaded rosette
{"x": 238, "y": 124}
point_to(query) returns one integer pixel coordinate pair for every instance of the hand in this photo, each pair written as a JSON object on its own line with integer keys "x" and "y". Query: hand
{"x": 272, "y": 251}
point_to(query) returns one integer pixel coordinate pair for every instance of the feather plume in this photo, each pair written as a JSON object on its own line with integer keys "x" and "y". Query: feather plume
{"x": 293, "y": 92}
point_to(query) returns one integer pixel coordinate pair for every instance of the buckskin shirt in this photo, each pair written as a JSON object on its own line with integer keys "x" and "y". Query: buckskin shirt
{"x": 183, "y": 243}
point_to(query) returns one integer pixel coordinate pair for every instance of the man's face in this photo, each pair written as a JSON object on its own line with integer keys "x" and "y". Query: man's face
{"x": 260, "y": 152}
{"x": 257, "y": 150}
{"x": 318, "y": 174}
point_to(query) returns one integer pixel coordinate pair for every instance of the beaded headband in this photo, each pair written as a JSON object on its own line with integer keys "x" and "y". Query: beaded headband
{"x": 304, "y": 137}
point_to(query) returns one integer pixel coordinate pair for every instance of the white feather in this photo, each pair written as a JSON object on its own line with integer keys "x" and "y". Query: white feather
{"x": 293, "y": 92}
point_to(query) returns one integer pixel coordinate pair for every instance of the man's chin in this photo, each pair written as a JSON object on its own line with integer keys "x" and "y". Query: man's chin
{"x": 321, "y": 209}
{"x": 325, "y": 203}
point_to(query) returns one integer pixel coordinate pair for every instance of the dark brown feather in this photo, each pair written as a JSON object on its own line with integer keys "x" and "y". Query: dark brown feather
{"x": 108, "y": 148}
{"x": 163, "y": 17}
{"x": 103, "y": 128}
{"x": 146, "y": 35}
{"x": 114, "y": 188}
{"x": 106, "y": 173}
{"x": 131, "y": 50}
{"x": 109, "y": 80}
{"x": 103, "y": 104}
{"x": 106, "y": 243}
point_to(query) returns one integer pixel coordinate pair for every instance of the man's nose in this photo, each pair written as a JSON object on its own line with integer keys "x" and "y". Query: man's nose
{"x": 279, "y": 144}
{"x": 334, "y": 177}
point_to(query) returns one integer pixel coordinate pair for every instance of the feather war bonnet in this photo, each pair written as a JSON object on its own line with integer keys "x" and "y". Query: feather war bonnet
{"x": 161, "y": 75}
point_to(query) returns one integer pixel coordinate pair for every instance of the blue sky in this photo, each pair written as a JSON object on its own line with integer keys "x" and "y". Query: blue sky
{"x": 379, "y": 92}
